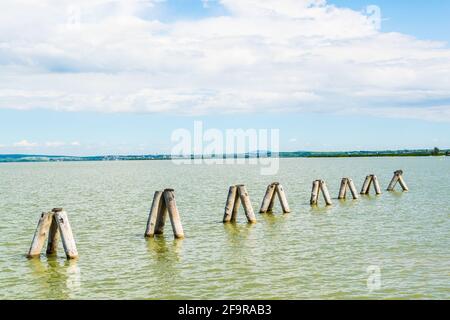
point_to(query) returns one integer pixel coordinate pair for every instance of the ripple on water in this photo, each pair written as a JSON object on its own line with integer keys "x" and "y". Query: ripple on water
{"x": 311, "y": 253}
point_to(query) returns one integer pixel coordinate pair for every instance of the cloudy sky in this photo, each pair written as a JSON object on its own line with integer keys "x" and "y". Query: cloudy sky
{"x": 107, "y": 76}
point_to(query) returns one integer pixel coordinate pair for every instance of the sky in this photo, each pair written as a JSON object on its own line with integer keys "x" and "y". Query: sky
{"x": 118, "y": 77}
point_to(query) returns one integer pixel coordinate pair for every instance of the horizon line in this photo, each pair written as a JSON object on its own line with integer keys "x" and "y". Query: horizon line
{"x": 223, "y": 154}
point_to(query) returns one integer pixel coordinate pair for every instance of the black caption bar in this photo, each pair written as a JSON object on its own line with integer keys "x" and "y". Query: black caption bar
{"x": 186, "y": 309}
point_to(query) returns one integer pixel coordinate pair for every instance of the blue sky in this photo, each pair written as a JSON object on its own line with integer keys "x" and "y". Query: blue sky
{"x": 119, "y": 79}
{"x": 423, "y": 19}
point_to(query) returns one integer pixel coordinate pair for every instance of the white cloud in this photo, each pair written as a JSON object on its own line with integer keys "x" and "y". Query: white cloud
{"x": 266, "y": 56}
{"x": 25, "y": 144}
{"x": 49, "y": 144}
{"x": 54, "y": 144}
{"x": 435, "y": 113}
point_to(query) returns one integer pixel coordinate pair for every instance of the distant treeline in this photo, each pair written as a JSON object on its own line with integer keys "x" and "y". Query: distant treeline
{"x": 295, "y": 154}
{"x": 384, "y": 153}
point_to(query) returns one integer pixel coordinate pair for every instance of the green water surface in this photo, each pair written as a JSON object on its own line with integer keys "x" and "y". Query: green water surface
{"x": 311, "y": 253}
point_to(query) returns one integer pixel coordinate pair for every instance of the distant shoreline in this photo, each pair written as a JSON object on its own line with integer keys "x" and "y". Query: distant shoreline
{"x": 9, "y": 158}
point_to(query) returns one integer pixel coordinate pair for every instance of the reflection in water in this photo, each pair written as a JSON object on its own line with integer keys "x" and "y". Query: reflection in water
{"x": 274, "y": 218}
{"x": 73, "y": 281}
{"x": 397, "y": 194}
{"x": 240, "y": 242}
{"x": 312, "y": 253}
{"x": 58, "y": 279}
{"x": 371, "y": 197}
{"x": 162, "y": 251}
{"x": 237, "y": 232}
{"x": 349, "y": 202}
{"x": 320, "y": 209}
{"x": 276, "y": 224}
{"x": 164, "y": 265}
{"x": 241, "y": 246}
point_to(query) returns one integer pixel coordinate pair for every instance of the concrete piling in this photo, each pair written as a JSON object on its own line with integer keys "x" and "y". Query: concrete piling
{"x": 343, "y": 189}
{"x": 283, "y": 199}
{"x": 398, "y": 177}
{"x": 275, "y": 189}
{"x": 236, "y": 195}
{"x": 65, "y": 231}
{"x": 376, "y": 185}
{"x": 366, "y": 185}
{"x": 371, "y": 179}
{"x": 164, "y": 205}
{"x": 41, "y": 233}
{"x": 174, "y": 215}
{"x": 315, "y": 193}
{"x": 53, "y": 237}
{"x": 161, "y": 217}
{"x": 153, "y": 215}
{"x": 55, "y": 225}
{"x": 317, "y": 187}
{"x": 403, "y": 183}
{"x": 347, "y": 183}
{"x": 352, "y": 187}
{"x": 236, "y": 206}
{"x": 229, "y": 206}
{"x": 326, "y": 194}
{"x": 267, "y": 200}
{"x": 246, "y": 203}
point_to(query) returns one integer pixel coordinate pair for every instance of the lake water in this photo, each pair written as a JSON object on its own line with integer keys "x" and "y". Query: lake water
{"x": 311, "y": 253}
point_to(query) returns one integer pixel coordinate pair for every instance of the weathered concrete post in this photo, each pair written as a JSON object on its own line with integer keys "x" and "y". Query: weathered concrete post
{"x": 398, "y": 177}
{"x": 352, "y": 187}
{"x": 236, "y": 195}
{"x": 229, "y": 206}
{"x": 315, "y": 193}
{"x": 393, "y": 182}
{"x": 53, "y": 237}
{"x": 151, "y": 222}
{"x": 55, "y": 225}
{"x": 174, "y": 215}
{"x": 164, "y": 204}
{"x": 267, "y": 198}
{"x": 66, "y": 233}
{"x": 366, "y": 185}
{"x": 317, "y": 187}
{"x": 347, "y": 183}
{"x": 403, "y": 183}
{"x": 283, "y": 199}
{"x": 246, "y": 203}
{"x": 237, "y": 204}
{"x": 40, "y": 234}
{"x": 376, "y": 184}
{"x": 271, "y": 204}
{"x": 343, "y": 189}
{"x": 161, "y": 216}
{"x": 275, "y": 189}
{"x": 326, "y": 194}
